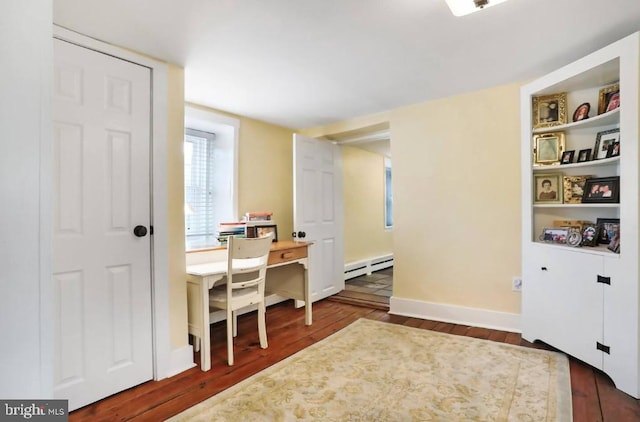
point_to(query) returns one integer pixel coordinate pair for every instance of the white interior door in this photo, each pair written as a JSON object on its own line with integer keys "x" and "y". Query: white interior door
{"x": 101, "y": 192}
{"x": 318, "y": 212}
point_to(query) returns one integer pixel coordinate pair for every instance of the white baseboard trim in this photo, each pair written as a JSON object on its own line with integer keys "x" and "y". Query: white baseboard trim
{"x": 367, "y": 266}
{"x": 454, "y": 314}
{"x": 180, "y": 360}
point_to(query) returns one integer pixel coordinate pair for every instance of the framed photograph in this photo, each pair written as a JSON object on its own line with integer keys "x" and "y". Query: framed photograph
{"x": 614, "y": 244}
{"x": 573, "y": 188}
{"x": 550, "y": 110}
{"x": 590, "y": 236}
{"x": 607, "y": 228}
{"x": 567, "y": 157}
{"x": 582, "y": 112}
{"x": 547, "y": 188}
{"x": 584, "y": 155}
{"x": 602, "y": 190}
{"x": 605, "y": 139}
{"x": 609, "y": 98}
{"x": 263, "y": 230}
{"x": 614, "y": 150}
{"x": 548, "y": 148}
{"x": 555, "y": 234}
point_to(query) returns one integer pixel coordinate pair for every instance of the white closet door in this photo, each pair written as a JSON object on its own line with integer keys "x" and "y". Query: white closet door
{"x": 101, "y": 192}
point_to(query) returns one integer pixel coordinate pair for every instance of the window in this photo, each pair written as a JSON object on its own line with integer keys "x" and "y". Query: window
{"x": 388, "y": 195}
{"x": 199, "y": 188}
{"x": 209, "y": 176}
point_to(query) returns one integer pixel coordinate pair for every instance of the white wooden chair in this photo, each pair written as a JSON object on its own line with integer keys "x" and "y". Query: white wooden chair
{"x": 246, "y": 273}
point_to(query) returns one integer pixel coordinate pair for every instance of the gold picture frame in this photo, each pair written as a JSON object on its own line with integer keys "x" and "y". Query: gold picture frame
{"x": 609, "y": 98}
{"x": 574, "y": 188}
{"x": 549, "y": 110}
{"x": 548, "y": 148}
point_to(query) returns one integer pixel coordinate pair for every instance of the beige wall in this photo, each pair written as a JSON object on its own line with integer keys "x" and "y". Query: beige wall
{"x": 364, "y": 233}
{"x": 456, "y": 181}
{"x": 175, "y": 212}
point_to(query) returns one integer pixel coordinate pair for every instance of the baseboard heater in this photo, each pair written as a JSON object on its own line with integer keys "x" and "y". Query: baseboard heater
{"x": 367, "y": 266}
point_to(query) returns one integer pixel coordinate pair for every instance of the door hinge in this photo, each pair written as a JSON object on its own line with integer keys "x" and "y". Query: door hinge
{"x": 603, "y": 348}
{"x": 604, "y": 280}
{"x": 151, "y": 230}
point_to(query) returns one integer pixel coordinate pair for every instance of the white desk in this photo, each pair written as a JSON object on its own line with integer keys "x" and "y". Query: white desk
{"x": 202, "y": 277}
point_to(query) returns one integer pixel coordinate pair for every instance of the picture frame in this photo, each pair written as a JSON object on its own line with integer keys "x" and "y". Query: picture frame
{"x": 549, "y": 110}
{"x": 604, "y": 190}
{"x": 554, "y": 234}
{"x": 603, "y": 140}
{"x": 573, "y": 188}
{"x": 582, "y": 112}
{"x": 547, "y": 188}
{"x": 614, "y": 244}
{"x": 590, "y": 235}
{"x": 609, "y": 98}
{"x": 584, "y": 155}
{"x": 614, "y": 150}
{"x": 607, "y": 228}
{"x": 262, "y": 230}
{"x": 548, "y": 148}
{"x": 567, "y": 157}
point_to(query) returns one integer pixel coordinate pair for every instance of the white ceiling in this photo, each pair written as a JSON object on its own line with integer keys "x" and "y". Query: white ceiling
{"x": 305, "y": 63}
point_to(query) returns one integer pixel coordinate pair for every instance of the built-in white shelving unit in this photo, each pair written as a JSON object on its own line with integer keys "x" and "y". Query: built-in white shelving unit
{"x": 584, "y": 300}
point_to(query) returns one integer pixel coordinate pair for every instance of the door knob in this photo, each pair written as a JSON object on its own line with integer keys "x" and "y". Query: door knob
{"x": 140, "y": 231}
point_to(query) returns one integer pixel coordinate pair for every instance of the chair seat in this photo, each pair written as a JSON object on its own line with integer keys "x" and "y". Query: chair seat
{"x": 219, "y": 294}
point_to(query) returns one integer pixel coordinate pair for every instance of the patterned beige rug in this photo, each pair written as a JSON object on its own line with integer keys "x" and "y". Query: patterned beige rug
{"x": 375, "y": 371}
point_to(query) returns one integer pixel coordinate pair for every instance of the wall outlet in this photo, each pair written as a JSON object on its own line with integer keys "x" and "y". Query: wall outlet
{"x": 516, "y": 284}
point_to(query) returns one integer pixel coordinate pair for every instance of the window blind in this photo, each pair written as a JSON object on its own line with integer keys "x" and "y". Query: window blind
{"x": 199, "y": 187}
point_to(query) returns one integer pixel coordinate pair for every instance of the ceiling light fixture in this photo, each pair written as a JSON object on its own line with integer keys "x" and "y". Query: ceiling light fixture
{"x": 464, "y": 7}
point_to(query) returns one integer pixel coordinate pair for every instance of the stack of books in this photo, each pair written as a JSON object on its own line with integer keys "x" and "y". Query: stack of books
{"x": 225, "y": 230}
{"x": 258, "y": 216}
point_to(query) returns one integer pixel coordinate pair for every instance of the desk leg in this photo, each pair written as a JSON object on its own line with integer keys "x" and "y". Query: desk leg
{"x": 205, "y": 339}
{"x": 308, "y": 318}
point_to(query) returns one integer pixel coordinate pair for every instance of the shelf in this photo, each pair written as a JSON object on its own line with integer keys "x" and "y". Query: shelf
{"x": 592, "y": 250}
{"x": 592, "y": 163}
{"x": 604, "y": 119}
{"x": 576, "y": 206}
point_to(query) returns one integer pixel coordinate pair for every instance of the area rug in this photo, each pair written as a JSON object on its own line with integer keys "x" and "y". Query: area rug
{"x": 376, "y": 371}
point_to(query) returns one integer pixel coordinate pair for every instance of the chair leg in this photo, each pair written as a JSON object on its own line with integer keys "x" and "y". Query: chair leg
{"x": 262, "y": 326}
{"x": 235, "y": 324}
{"x": 196, "y": 343}
{"x": 230, "y": 337}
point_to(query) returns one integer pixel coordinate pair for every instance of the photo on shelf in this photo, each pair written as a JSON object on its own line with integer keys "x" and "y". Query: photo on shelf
{"x": 567, "y": 157}
{"x": 609, "y": 98}
{"x": 614, "y": 244}
{"x": 607, "y": 229}
{"x": 602, "y": 190}
{"x": 574, "y": 188}
{"x": 547, "y": 188}
{"x": 549, "y": 110}
{"x": 582, "y": 112}
{"x": 548, "y": 148}
{"x": 555, "y": 234}
{"x": 614, "y": 150}
{"x": 584, "y": 155}
{"x": 604, "y": 140}
{"x": 590, "y": 236}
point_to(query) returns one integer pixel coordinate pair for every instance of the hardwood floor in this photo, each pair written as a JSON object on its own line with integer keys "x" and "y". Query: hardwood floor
{"x": 594, "y": 396}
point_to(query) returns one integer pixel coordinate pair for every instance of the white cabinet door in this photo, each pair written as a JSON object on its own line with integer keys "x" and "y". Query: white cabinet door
{"x": 318, "y": 213}
{"x": 101, "y": 182}
{"x": 620, "y": 320}
{"x": 563, "y": 302}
